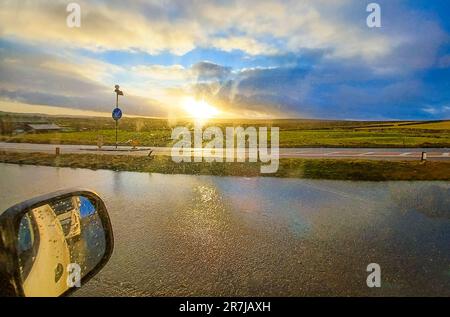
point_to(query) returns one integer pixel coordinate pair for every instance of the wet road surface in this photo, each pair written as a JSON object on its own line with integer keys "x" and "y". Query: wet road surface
{"x": 234, "y": 236}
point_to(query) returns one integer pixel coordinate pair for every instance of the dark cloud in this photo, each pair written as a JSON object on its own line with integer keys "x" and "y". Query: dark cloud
{"x": 207, "y": 71}
{"x": 335, "y": 90}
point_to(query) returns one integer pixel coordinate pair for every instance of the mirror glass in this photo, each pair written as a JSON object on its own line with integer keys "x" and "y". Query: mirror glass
{"x": 58, "y": 243}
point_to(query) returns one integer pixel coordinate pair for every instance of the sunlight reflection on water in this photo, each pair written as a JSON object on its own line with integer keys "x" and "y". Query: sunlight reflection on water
{"x": 206, "y": 235}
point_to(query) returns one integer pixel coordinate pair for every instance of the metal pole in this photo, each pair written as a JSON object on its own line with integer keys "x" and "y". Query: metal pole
{"x": 117, "y": 106}
{"x": 116, "y": 134}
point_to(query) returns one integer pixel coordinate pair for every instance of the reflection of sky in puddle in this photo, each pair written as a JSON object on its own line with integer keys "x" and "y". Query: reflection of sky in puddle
{"x": 300, "y": 206}
{"x": 293, "y": 204}
{"x": 168, "y": 226}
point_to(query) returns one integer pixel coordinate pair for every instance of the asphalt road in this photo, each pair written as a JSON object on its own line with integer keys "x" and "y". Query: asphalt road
{"x": 354, "y": 153}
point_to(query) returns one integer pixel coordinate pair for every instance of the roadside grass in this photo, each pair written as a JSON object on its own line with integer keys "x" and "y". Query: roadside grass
{"x": 357, "y": 138}
{"x": 441, "y": 125}
{"x": 153, "y": 138}
{"x": 288, "y": 138}
{"x": 336, "y": 169}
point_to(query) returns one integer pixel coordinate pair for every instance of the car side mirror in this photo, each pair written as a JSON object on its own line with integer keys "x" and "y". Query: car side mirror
{"x": 53, "y": 244}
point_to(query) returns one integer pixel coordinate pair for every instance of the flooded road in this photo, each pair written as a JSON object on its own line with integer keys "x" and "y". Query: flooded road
{"x": 226, "y": 236}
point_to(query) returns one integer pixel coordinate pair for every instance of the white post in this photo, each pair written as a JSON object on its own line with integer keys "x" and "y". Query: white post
{"x": 424, "y": 156}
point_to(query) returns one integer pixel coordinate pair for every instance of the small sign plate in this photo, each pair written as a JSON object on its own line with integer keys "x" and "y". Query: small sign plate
{"x": 116, "y": 114}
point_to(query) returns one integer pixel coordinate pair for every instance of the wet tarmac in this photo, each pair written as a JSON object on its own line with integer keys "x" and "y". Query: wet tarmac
{"x": 180, "y": 235}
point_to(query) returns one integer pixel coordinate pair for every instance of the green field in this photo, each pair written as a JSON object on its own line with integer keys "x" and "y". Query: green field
{"x": 295, "y": 138}
{"x": 293, "y": 132}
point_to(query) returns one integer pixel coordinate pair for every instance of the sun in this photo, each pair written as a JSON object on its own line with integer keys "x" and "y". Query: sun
{"x": 199, "y": 109}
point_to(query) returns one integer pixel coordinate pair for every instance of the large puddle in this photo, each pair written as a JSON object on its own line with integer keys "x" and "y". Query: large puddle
{"x": 206, "y": 235}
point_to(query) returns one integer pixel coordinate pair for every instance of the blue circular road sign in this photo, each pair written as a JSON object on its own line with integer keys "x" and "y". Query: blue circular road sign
{"x": 116, "y": 114}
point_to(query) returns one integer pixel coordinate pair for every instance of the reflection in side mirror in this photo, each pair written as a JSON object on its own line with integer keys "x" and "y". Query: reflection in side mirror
{"x": 60, "y": 243}
{"x": 56, "y": 237}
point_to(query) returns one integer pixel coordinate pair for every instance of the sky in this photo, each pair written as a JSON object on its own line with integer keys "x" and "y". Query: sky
{"x": 225, "y": 58}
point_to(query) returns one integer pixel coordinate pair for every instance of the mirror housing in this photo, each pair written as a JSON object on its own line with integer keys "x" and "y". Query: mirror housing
{"x": 51, "y": 217}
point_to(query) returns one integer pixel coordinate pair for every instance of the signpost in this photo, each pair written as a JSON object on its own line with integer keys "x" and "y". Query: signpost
{"x": 117, "y": 113}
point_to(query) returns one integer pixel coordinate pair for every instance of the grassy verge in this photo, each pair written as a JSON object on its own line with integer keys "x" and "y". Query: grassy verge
{"x": 291, "y": 168}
